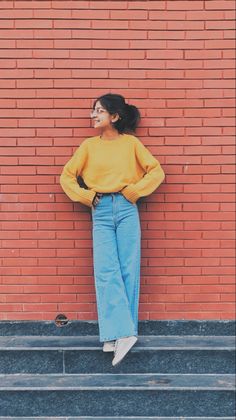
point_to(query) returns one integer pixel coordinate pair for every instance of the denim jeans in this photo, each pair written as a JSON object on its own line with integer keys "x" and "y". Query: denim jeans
{"x": 116, "y": 258}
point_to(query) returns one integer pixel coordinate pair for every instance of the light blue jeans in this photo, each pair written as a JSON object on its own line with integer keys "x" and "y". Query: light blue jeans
{"x": 116, "y": 258}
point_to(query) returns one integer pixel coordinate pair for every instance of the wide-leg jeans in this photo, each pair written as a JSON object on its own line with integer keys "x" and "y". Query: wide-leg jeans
{"x": 116, "y": 259}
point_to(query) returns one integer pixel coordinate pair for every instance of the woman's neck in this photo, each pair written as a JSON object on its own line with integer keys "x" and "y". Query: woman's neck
{"x": 109, "y": 134}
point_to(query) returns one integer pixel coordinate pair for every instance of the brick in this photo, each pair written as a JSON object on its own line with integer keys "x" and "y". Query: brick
{"x": 207, "y": 55}
{"x": 219, "y": 103}
{"x": 229, "y": 15}
{"x": 129, "y": 14}
{"x": 229, "y": 54}
{"x": 6, "y": 4}
{"x": 205, "y": 35}
{"x": 167, "y": 15}
{"x": 193, "y": 44}
{"x": 211, "y": 140}
{"x": 166, "y": 34}
{"x": 11, "y": 307}
{"x": 205, "y": 15}
{"x": 42, "y": 307}
{"x": 219, "y": 5}
{"x": 222, "y": 44}
{"x": 185, "y": 5}
{"x": 219, "y": 121}
{"x": 22, "y": 298}
{"x": 223, "y": 83}
{"x": 185, "y": 84}
{"x": 192, "y": 122}
{"x": 218, "y": 253}
{"x": 35, "y": 5}
{"x": 147, "y": 25}
{"x": 70, "y": 4}
{"x": 226, "y": 24}
{"x": 166, "y": 54}
{"x": 153, "y": 5}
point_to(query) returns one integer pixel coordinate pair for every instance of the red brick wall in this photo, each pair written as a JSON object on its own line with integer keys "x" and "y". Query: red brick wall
{"x": 174, "y": 60}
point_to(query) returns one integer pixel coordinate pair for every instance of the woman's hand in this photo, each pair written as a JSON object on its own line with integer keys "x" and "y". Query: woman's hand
{"x": 96, "y": 199}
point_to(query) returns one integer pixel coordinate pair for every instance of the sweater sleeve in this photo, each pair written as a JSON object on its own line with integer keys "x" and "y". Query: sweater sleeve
{"x": 68, "y": 178}
{"x": 151, "y": 180}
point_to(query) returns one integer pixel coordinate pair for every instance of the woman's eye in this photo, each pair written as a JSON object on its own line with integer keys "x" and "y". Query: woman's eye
{"x": 98, "y": 111}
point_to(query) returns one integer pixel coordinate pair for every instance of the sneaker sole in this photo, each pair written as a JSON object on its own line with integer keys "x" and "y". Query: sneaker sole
{"x": 109, "y": 351}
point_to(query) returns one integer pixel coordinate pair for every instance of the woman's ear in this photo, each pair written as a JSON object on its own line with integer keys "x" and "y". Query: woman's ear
{"x": 115, "y": 118}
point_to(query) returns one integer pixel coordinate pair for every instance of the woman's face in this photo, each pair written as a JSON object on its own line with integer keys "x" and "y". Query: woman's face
{"x": 101, "y": 117}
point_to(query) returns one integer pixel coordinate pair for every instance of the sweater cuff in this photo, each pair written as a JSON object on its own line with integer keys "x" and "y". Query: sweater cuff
{"x": 130, "y": 193}
{"x": 87, "y": 197}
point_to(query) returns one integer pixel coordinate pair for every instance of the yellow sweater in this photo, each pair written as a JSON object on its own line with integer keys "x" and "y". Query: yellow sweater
{"x": 111, "y": 166}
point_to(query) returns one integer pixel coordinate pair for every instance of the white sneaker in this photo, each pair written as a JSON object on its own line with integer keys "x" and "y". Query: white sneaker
{"x": 122, "y": 346}
{"x": 109, "y": 346}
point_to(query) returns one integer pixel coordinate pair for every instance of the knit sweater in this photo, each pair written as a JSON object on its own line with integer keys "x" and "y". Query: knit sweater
{"x": 123, "y": 164}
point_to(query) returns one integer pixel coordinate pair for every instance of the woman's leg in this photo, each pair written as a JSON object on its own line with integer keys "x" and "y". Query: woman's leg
{"x": 129, "y": 251}
{"x": 114, "y": 309}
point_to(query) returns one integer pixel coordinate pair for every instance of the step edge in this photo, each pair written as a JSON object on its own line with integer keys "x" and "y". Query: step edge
{"x": 137, "y": 348}
{"x": 117, "y": 417}
{"x": 73, "y": 375}
{"x": 229, "y": 343}
{"x": 228, "y": 387}
{"x": 138, "y": 335}
{"x": 116, "y": 388}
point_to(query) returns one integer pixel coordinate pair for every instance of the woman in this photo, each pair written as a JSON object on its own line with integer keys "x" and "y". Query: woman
{"x": 117, "y": 169}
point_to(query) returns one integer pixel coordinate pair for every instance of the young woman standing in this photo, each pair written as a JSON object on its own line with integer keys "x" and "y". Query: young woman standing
{"x": 117, "y": 170}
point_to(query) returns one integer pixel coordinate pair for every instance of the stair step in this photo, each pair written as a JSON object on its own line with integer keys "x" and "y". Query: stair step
{"x": 123, "y": 394}
{"x": 156, "y": 354}
{"x": 150, "y": 327}
{"x": 92, "y": 343}
{"x": 129, "y": 381}
{"x": 46, "y": 371}
{"x": 117, "y": 418}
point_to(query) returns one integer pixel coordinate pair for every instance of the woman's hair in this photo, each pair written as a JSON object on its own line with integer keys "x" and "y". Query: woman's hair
{"x": 129, "y": 114}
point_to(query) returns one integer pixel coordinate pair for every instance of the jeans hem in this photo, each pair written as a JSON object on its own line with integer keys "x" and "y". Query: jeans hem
{"x": 116, "y": 338}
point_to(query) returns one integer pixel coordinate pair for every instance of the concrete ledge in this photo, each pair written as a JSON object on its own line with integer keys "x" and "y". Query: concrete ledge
{"x": 75, "y": 328}
{"x": 92, "y": 343}
{"x": 129, "y": 381}
{"x": 117, "y": 418}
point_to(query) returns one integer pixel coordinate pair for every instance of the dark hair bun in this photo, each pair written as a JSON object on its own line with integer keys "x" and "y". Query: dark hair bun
{"x": 133, "y": 116}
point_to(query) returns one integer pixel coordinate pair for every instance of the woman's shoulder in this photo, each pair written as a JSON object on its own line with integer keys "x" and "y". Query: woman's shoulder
{"x": 90, "y": 139}
{"x": 87, "y": 141}
{"x": 132, "y": 137}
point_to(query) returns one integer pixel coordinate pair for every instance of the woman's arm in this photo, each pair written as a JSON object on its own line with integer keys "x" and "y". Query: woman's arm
{"x": 68, "y": 178}
{"x": 151, "y": 180}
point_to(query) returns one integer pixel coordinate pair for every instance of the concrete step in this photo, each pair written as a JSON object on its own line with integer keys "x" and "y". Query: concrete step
{"x": 116, "y": 418}
{"x": 144, "y": 342}
{"x": 156, "y": 328}
{"x": 117, "y": 394}
{"x": 81, "y": 354}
